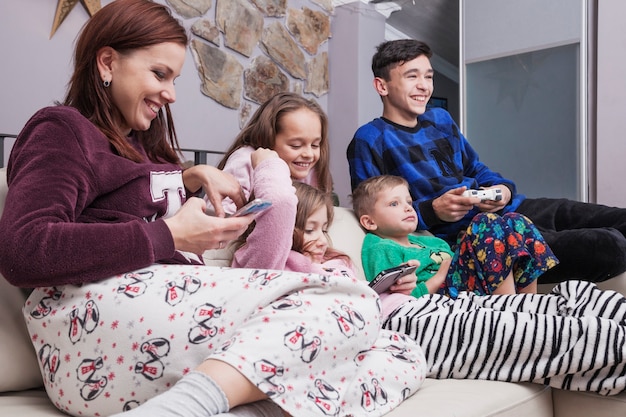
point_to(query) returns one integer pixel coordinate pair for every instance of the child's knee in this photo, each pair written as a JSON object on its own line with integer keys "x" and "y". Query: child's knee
{"x": 517, "y": 217}
{"x": 486, "y": 218}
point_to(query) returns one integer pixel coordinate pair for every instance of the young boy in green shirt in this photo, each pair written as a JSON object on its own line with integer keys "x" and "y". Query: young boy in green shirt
{"x": 495, "y": 254}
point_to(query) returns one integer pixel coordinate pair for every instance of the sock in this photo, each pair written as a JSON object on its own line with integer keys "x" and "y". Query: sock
{"x": 265, "y": 408}
{"x": 194, "y": 395}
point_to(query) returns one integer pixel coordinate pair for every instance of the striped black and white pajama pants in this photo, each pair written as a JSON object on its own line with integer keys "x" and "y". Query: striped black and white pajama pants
{"x": 573, "y": 338}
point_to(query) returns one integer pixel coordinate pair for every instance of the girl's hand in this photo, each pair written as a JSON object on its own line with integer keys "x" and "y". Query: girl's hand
{"x": 194, "y": 231}
{"x": 216, "y": 185}
{"x": 261, "y": 154}
{"x": 407, "y": 283}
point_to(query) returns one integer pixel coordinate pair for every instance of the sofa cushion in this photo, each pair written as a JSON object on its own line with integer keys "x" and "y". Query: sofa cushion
{"x": 477, "y": 398}
{"x": 30, "y": 403}
{"x": 570, "y": 403}
{"x": 18, "y": 362}
{"x": 447, "y": 397}
{"x": 347, "y": 236}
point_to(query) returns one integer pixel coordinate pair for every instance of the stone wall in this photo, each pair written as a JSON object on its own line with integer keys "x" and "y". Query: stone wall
{"x": 245, "y": 51}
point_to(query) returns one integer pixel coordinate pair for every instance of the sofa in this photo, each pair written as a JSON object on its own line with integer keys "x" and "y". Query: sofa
{"x": 22, "y": 395}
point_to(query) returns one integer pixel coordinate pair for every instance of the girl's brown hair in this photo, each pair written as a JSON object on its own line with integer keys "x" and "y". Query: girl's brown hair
{"x": 124, "y": 25}
{"x": 265, "y": 124}
{"x": 310, "y": 199}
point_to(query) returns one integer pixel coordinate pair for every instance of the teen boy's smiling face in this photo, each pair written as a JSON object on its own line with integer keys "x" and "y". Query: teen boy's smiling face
{"x": 407, "y": 91}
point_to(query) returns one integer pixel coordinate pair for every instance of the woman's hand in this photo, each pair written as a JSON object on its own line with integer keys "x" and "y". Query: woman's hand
{"x": 195, "y": 231}
{"x": 407, "y": 283}
{"x": 216, "y": 185}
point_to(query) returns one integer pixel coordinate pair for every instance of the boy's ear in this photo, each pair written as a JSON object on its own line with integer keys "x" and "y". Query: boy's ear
{"x": 368, "y": 223}
{"x": 380, "y": 86}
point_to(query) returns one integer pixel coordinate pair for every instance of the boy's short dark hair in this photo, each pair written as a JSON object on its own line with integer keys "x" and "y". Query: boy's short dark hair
{"x": 390, "y": 54}
{"x": 365, "y": 194}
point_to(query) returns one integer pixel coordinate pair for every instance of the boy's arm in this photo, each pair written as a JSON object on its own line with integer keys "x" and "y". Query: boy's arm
{"x": 462, "y": 168}
{"x": 364, "y": 162}
{"x": 434, "y": 283}
{"x": 420, "y": 290}
{"x": 485, "y": 177}
{"x": 378, "y": 254}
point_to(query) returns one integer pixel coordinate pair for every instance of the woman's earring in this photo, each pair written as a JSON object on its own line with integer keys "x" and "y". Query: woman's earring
{"x": 106, "y": 83}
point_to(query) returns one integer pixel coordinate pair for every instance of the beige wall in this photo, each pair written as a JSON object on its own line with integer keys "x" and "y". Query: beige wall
{"x": 611, "y": 104}
{"x": 35, "y": 69}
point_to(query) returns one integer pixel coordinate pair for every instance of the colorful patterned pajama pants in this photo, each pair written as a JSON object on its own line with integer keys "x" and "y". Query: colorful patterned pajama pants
{"x": 490, "y": 248}
{"x": 573, "y": 338}
{"x": 311, "y": 342}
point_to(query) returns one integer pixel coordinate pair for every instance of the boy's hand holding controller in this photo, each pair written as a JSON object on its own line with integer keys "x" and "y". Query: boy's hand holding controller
{"x": 454, "y": 204}
{"x": 494, "y": 194}
{"x": 492, "y": 199}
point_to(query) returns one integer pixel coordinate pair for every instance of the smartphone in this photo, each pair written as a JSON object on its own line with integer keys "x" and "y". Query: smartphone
{"x": 255, "y": 206}
{"x": 388, "y": 277}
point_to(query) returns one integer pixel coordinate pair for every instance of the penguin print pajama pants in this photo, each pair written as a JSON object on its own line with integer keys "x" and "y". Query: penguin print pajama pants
{"x": 312, "y": 343}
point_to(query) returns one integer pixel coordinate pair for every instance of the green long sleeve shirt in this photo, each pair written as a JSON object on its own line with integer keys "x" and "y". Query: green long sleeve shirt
{"x": 378, "y": 254}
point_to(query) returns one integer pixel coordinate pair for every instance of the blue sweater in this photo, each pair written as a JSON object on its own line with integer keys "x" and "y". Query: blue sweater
{"x": 434, "y": 157}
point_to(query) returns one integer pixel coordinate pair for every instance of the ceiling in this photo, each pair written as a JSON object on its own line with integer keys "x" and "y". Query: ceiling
{"x": 435, "y": 22}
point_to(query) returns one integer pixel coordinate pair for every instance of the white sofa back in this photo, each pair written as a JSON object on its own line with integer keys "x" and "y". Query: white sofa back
{"x": 17, "y": 355}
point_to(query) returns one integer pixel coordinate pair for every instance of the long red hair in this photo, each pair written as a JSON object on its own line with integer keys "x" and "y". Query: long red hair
{"x": 124, "y": 25}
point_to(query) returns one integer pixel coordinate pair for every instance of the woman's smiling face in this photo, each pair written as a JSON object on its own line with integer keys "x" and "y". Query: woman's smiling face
{"x": 142, "y": 81}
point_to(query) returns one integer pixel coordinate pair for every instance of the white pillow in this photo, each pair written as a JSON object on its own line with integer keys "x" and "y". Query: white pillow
{"x": 18, "y": 362}
{"x": 347, "y": 236}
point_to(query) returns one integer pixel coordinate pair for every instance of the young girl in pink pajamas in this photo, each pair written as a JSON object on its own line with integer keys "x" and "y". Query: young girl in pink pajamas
{"x": 293, "y": 126}
{"x": 101, "y": 220}
{"x": 274, "y": 243}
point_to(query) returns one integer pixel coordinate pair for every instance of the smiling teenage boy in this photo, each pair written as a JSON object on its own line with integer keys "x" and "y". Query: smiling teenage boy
{"x": 429, "y": 151}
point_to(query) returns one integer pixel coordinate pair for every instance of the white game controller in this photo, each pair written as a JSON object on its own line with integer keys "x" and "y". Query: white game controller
{"x": 494, "y": 194}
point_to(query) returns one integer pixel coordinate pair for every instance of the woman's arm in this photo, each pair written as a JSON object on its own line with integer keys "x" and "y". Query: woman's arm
{"x": 49, "y": 237}
{"x": 216, "y": 184}
{"x": 77, "y": 212}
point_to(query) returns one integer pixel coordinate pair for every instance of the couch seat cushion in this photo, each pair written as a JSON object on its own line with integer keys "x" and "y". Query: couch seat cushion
{"x": 476, "y": 398}
{"x": 30, "y": 403}
{"x": 458, "y": 398}
{"x": 568, "y": 403}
